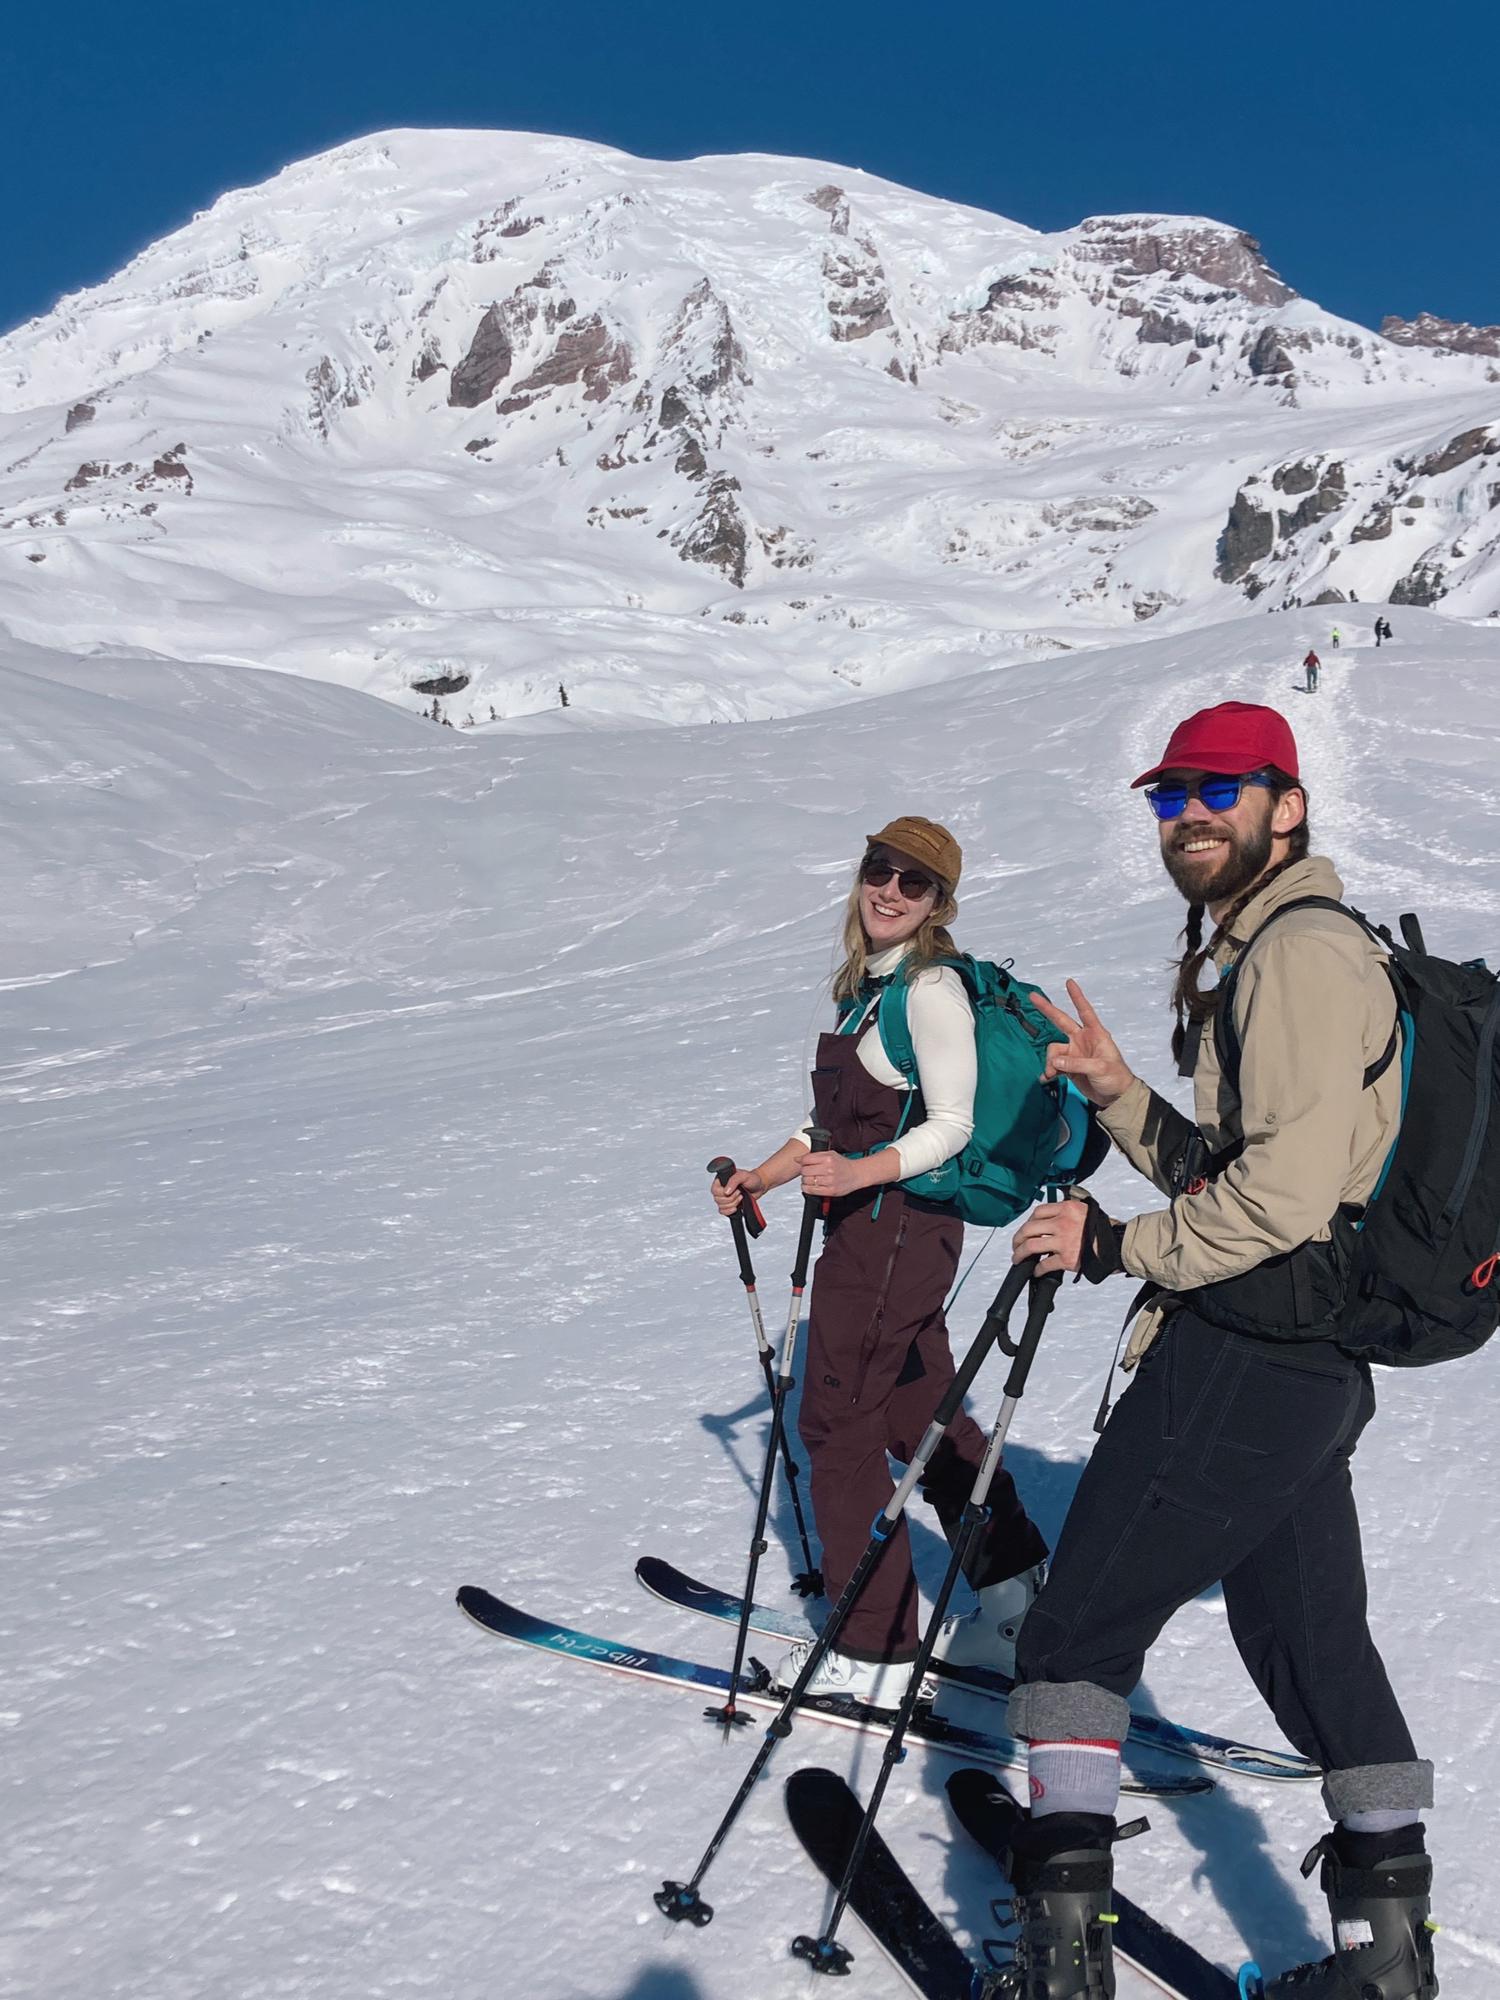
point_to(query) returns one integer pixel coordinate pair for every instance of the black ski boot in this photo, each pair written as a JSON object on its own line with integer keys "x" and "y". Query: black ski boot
{"x": 1379, "y": 1888}
{"x": 1061, "y": 1869}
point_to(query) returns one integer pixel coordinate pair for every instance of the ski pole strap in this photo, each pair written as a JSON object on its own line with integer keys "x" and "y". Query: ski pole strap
{"x": 812, "y": 1207}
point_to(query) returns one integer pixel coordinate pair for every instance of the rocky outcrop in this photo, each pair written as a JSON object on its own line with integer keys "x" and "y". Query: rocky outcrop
{"x": 835, "y": 205}
{"x": 1375, "y": 526}
{"x": 587, "y": 355}
{"x": 717, "y": 535}
{"x": 1267, "y": 353}
{"x": 333, "y": 388}
{"x": 1326, "y": 497}
{"x": 1145, "y": 244}
{"x": 1248, "y": 537}
{"x": 1450, "y": 336}
{"x": 81, "y": 413}
{"x": 1014, "y": 312}
{"x": 1162, "y": 329}
{"x": 1458, "y": 451}
{"x": 1422, "y": 584}
{"x": 489, "y": 360}
{"x": 855, "y": 291}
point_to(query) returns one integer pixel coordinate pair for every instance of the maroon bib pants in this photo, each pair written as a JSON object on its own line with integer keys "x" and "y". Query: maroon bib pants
{"x": 877, "y": 1366}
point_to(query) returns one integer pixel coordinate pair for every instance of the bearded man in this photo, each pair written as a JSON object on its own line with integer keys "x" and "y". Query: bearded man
{"x": 1227, "y": 1458}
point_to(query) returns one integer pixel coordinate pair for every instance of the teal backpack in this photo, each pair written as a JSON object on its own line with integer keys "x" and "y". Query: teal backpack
{"x": 1028, "y": 1135}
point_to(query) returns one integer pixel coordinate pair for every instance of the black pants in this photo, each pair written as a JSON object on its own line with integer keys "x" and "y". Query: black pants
{"x": 1227, "y": 1459}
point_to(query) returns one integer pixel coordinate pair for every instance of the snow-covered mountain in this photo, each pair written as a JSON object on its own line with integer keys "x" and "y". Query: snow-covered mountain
{"x": 357, "y": 1082}
{"x": 466, "y": 416}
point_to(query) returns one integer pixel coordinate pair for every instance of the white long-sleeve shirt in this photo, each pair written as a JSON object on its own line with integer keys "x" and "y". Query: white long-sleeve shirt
{"x": 941, "y": 1021}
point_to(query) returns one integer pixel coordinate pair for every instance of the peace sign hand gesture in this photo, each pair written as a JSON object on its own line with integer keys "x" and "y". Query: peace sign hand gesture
{"x": 1089, "y": 1057}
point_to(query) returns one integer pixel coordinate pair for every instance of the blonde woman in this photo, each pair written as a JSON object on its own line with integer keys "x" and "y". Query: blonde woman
{"x": 878, "y": 1359}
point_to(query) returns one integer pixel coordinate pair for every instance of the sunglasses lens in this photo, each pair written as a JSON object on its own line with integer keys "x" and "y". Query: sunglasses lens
{"x": 914, "y": 885}
{"x": 1168, "y": 801}
{"x": 1220, "y": 794}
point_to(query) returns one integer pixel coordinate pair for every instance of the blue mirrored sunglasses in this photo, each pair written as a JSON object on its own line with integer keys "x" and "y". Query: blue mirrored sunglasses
{"x": 1218, "y": 794}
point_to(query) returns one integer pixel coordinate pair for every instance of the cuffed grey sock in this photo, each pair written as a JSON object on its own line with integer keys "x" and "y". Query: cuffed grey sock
{"x": 1391, "y": 1821}
{"x": 1073, "y": 1776}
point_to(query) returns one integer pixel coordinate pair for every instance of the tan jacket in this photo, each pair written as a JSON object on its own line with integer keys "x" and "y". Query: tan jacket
{"x": 1313, "y": 1008}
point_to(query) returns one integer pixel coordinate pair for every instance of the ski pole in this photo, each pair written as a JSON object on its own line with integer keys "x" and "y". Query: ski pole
{"x": 825, "y": 1954}
{"x": 747, "y": 1221}
{"x": 683, "y": 1901}
{"x": 811, "y": 1209}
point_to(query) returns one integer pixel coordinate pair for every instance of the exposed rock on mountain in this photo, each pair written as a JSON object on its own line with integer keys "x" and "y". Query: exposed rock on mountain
{"x": 1146, "y": 245}
{"x": 1448, "y": 336}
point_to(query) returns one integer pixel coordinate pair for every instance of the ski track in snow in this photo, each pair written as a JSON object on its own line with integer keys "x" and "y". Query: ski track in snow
{"x": 357, "y": 1081}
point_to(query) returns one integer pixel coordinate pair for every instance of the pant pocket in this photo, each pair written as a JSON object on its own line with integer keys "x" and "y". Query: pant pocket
{"x": 1276, "y": 1425}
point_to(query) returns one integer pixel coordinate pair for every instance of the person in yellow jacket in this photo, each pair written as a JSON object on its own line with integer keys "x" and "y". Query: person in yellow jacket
{"x": 1227, "y": 1458}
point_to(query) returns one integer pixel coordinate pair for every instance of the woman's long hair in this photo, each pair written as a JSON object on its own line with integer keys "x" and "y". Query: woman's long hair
{"x": 1195, "y": 1005}
{"x": 930, "y": 943}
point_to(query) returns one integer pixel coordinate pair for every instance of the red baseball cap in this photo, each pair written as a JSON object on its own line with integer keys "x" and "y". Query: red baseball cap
{"x": 1232, "y": 739}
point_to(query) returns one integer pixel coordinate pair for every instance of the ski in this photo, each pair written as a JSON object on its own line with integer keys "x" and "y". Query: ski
{"x": 987, "y": 1812}
{"x": 674, "y": 1586}
{"x": 825, "y": 1817}
{"x": 643, "y": 1663}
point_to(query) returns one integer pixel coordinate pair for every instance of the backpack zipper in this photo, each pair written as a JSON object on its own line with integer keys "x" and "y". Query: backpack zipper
{"x": 1480, "y": 1125}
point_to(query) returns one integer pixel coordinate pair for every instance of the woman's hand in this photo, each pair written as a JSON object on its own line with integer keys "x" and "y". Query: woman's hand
{"x": 829, "y": 1175}
{"x": 1089, "y": 1057}
{"x": 726, "y": 1194}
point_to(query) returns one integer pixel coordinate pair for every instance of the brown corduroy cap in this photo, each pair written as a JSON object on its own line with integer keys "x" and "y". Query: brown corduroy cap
{"x": 924, "y": 840}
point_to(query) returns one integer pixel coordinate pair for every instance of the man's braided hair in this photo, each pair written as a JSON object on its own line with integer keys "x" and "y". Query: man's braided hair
{"x": 1195, "y": 1005}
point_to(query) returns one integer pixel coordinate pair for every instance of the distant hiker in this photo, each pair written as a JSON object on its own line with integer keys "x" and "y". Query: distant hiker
{"x": 1227, "y": 1457}
{"x": 1382, "y": 631}
{"x": 1312, "y": 667}
{"x": 1337, "y": 635}
{"x": 562, "y": 695}
{"x": 878, "y": 1360}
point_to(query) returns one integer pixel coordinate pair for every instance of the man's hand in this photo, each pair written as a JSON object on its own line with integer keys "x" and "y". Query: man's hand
{"x": 1089, "y": 1057}
{"x": 1071, "y": 1235}
{"x": 1053, "y": 1233}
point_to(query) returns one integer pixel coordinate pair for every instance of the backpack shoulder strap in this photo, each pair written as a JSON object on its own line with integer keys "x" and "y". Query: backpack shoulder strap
{"x": 895, "y": 1029}
{"x": 1226, "y": 1035}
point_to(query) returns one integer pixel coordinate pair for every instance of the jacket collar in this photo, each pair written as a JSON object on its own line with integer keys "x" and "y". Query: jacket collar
{"x": 1314, "y": 876}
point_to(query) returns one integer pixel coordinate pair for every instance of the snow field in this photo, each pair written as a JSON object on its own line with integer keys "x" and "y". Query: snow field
{"x": 358, "y": 1082}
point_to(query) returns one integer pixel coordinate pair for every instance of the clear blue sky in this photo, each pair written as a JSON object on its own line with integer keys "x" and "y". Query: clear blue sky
{"x": 1359, "y": 142}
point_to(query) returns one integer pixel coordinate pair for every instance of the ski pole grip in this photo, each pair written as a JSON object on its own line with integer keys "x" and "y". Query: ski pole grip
{"x": 749, "y": 1212}
{"x": 1043, "y": 1298}
{"x": 812, "y": 1207}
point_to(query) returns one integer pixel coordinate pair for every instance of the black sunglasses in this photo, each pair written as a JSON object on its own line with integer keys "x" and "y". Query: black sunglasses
{"x": 877, "y": 871}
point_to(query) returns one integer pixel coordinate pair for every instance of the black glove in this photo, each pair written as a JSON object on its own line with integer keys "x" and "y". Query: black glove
{"x": 1102, "y": 1254}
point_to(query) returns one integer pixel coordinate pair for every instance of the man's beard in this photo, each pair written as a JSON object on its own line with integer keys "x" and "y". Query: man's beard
{"x": 1242, "y": 860}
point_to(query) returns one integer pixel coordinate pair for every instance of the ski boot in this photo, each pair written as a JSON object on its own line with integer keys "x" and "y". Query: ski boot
{"x": 1061, "y": 1869}
{"x": 986, "y": 1636}
{"x": 1379, "y": 1887}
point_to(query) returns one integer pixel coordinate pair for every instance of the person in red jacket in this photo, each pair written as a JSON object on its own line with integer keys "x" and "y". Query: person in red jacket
{"x": 1311, "y": 666}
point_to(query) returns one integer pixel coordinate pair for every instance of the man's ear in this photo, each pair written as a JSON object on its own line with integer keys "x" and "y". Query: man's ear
{"x": 1289, "y": 812}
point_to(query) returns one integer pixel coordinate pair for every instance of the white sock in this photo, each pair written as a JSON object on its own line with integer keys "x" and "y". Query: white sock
{"x": 1073, "y": 1776}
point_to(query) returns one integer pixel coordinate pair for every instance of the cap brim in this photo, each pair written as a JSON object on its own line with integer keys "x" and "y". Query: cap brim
{"x": 1222, "y": 763}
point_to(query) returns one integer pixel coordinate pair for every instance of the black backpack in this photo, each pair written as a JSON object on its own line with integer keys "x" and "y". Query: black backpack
{"x": 1422, "y": 1278}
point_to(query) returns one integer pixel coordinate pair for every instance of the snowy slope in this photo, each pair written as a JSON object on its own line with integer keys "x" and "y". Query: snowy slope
{"x": 461, "y": 416}
{"x": 358, "y": 1080}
